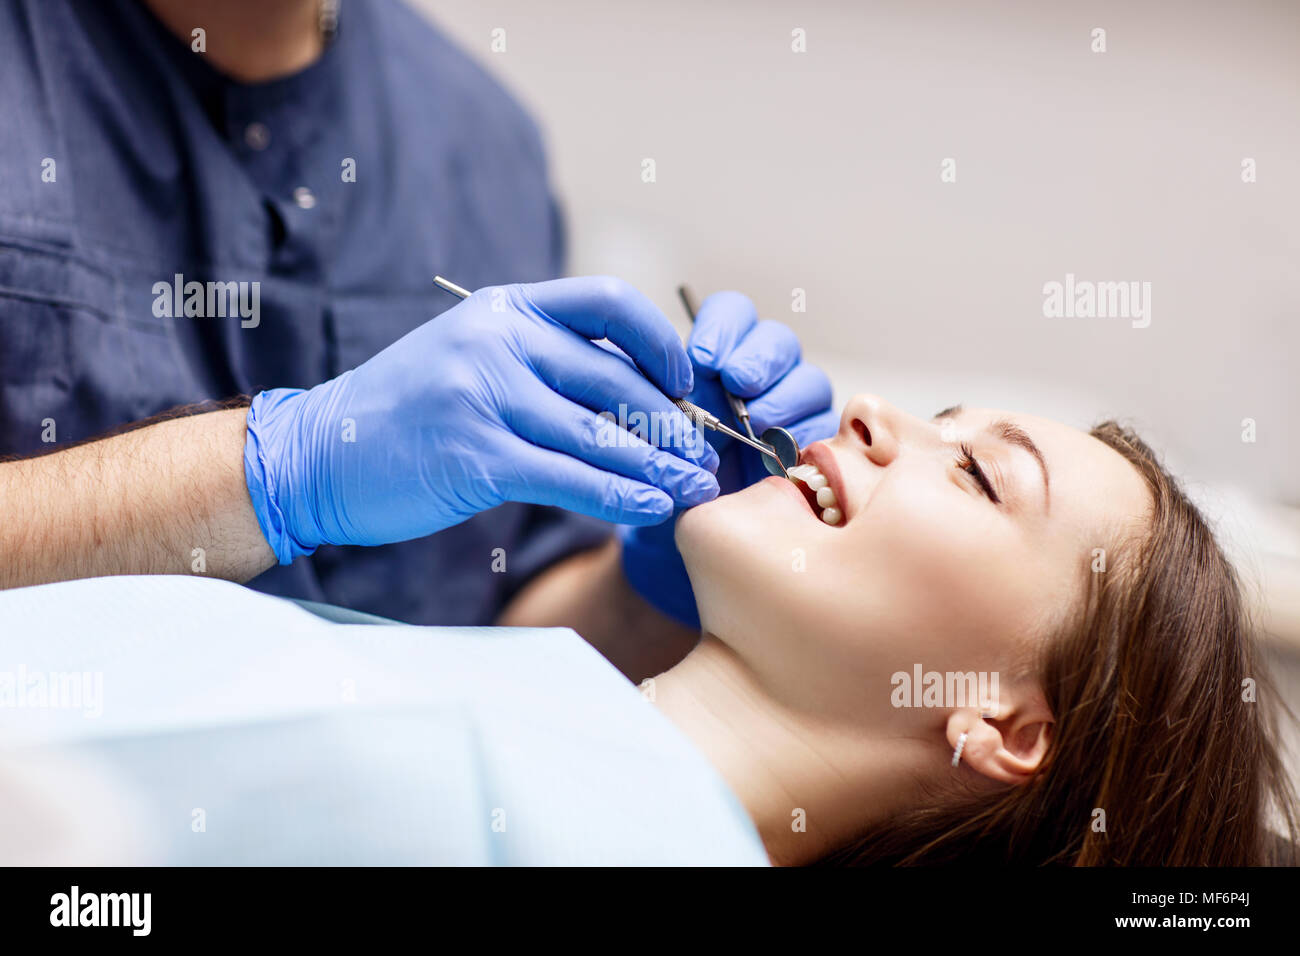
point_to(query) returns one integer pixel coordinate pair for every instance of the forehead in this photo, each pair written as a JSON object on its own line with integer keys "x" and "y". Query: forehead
{"x": 1093, "y": 487}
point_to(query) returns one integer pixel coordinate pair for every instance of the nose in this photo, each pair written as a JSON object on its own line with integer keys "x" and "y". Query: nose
{"x": 872, "y": 426}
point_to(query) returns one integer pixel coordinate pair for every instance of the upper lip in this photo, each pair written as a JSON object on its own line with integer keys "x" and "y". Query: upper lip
{"x": 820, "y": 455}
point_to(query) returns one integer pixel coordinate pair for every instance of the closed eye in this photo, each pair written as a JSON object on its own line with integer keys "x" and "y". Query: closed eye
{"x": 967, "y": 462}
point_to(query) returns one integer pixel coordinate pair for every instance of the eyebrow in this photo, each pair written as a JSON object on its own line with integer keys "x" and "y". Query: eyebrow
{"x": 1007, "y": 431}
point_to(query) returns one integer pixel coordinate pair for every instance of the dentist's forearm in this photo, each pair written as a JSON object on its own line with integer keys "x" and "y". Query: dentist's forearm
{"x": 589, "y": 593}
{"x": 166, "y": 498}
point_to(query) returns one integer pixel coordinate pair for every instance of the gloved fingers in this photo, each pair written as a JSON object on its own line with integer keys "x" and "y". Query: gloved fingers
{"x": 546, "y": 477}
{"x": 760, "y": 359}
{"x": 552, "y": 421}
{"x": 594, "y": 377}
{"x": 804, "y": 391}
{"x": 600, "y": 307}
{"x": 723, "y": 321}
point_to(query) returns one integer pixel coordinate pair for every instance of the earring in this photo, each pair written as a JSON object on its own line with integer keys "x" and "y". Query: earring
{"x": 961, "y": 745}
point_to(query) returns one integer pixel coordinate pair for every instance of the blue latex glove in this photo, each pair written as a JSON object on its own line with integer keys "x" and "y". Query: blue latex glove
{"x": 495, "y": 400}
{"x": 759, "y": 361}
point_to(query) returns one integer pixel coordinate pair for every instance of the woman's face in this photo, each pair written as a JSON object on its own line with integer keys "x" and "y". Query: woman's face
{"x": 925, "y": 567}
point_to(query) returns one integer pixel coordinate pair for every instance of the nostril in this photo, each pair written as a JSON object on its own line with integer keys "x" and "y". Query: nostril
{"x": 863, "y": 432}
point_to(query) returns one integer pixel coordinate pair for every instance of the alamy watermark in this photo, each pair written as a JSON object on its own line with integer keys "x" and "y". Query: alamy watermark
{"x": 208, "y": 300}
{"x": 1085, "y": 299}
{"x": 662, "y": 429}
{"x": 922, "y": 688}
{"x": 130, "y": 910}
{"x": 53, "y": 690}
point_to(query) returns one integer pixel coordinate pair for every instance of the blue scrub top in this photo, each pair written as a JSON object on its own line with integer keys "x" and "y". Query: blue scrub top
{"x": 127, "y": 160}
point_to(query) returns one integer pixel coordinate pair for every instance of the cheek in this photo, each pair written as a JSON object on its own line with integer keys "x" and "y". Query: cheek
{"x": 918, "y": 526}
{"x": 929, "y": 566}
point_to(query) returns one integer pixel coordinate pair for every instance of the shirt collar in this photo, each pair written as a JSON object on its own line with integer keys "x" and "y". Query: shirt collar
{"x": 290, "y": 106}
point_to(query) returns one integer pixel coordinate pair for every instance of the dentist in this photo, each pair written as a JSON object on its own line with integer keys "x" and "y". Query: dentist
{"x": 337, "y": 157}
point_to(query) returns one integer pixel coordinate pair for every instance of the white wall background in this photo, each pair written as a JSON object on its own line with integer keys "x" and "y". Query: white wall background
{"x": 820, "y": 170}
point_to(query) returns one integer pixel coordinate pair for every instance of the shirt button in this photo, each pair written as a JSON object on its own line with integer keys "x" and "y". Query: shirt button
{"x": 257, "y": 136}
{"x": 304, "y": 197}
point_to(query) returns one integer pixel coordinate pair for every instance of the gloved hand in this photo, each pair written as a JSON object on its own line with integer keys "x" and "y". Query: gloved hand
{"x": 495, "y": 400}
{"x": 759, "y": 361}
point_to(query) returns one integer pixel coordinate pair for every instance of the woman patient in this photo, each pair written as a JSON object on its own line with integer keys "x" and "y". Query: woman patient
{"x": 1117, "y": 711}
{"x": 1125, "y": 728}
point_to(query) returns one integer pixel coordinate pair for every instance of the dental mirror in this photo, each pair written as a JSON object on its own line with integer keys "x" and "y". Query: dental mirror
{"x": 785, "y": 446}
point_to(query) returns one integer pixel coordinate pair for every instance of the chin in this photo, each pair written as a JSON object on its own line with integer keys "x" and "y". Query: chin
{"x": 715, "y": 543}
{"x": 705, "y": 530}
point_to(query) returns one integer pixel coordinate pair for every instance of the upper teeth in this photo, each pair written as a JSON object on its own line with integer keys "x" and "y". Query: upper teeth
{"x": 812, "y": 477}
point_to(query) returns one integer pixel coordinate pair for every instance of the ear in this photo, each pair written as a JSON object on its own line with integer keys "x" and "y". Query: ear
{"x": 1008, "y": 746}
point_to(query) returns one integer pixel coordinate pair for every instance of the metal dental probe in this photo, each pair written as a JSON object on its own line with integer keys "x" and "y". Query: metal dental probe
{"x": 778, "y": 439}
{"x": 698, "y": 416}
{"x": 738, "y": 407}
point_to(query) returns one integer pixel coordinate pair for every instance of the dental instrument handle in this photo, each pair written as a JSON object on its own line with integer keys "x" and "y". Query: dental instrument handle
{"x": 780, "y": 445}
{"x": 697, "y": 415}
{"x": 449, "y": 286}
{"x": 704, "y": 419}
{"x": 738, "y": 407}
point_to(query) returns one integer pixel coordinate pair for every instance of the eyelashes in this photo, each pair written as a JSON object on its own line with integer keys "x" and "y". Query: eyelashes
{"x": 967, "y": 462}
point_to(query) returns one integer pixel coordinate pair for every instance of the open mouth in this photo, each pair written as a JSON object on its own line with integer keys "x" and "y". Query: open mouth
{"x": 817, "y": 490}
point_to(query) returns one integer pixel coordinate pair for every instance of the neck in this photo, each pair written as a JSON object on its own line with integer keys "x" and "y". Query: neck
{"x": 251, "y": 41}
{"x": 780, "y": 761}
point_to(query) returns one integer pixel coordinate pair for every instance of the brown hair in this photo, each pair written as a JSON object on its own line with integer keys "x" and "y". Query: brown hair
{"x": 1153, "y": 725}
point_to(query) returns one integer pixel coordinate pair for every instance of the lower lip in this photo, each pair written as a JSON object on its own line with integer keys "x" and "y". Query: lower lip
{"x": 786, "y": 486}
